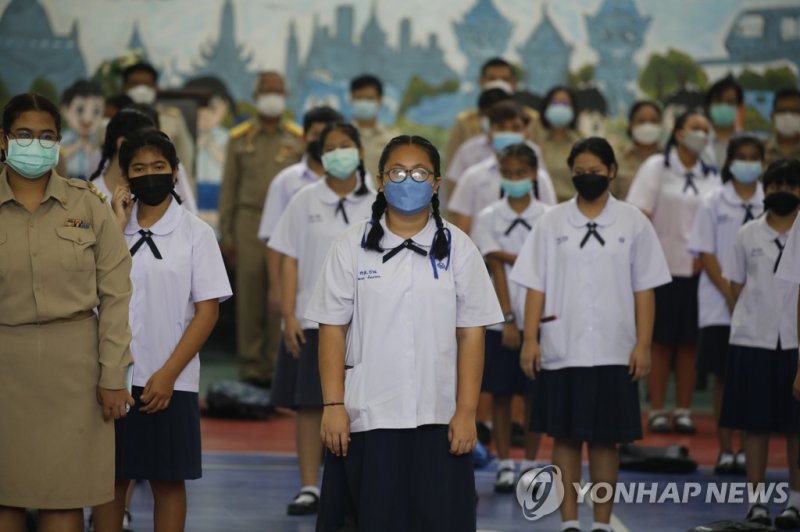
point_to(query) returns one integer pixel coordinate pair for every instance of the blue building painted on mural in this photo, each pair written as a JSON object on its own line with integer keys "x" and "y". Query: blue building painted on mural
{"x": 616, "y": 33}
{"x": 545, "y": 56}
{"x": 482, "y": 34}
{"x": 25, "y": 34}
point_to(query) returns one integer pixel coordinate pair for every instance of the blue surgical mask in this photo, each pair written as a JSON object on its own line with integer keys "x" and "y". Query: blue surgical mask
{"x": 32, "y": 161}
{"x": 722, "y": 114}
{"x": 503, "y": 139}
{"x": 745, "y": 171}
{"x": 559, "y": 115}
{"x": 517, "y": 188}
{"x": 409, "y": 196}
{"x": 365, "y": 109}
{"x": 341, "y": 163}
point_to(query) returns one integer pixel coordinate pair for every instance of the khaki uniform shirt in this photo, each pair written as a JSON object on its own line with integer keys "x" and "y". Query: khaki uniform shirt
{"x": 254, "y": 157}
{"x": 555, "y": 153}
{"x": 773, "y": 151}
{"x": 174, "y": 125}
{"x": 64, "y": 260}
{"x": 629, "y": 159}
{"x": 374, "y": 140}
{"x": 468, "y": 125}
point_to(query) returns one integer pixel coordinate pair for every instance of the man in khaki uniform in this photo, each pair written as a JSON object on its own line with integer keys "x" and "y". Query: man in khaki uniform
{"x": 495, "y": 73}
{"x": 366, "y": 99}
{"x": 785, "y": 142}
{"x": 257, "y": 151}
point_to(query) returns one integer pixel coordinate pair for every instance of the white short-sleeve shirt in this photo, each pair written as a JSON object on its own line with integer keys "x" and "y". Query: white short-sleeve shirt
{"x": 308, "y": 228}
{"x": 662, "y": 192}
{"x": 182, "y": 188}
{"x": 499, "y": 228}
{"x": 284, "y": 186}
{"x": 789, "y": 267}
{"x": 476, "y": 150}
{"x": 767, "y": 307}
{"x": 402, "y": 355}
{"x": 165, "y": 290}
{"x": 720, "y": 216}
{"x": 589, "y": 291}
{"x": 479, "y": 187}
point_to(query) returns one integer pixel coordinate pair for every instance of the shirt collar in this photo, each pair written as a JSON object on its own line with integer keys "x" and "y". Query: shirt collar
{"x": 306, "y": 172}
{"x": 770, "y": 233}
{"x": 606, "y": 217}
{"x": 56, "y": 188}
{"x": 507, "y": 214}
{"x": 731, "y": 197}
{"x": 424, "y": 238}
{"x": 166, "y": 225}
{"x": 676, "y": 164}
{"x": 328, "y": 196}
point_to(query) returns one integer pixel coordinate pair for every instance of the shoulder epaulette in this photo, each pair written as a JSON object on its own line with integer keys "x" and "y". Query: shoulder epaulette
{"x": 293, "y": 128}
{"x": 96, "y": 191}
{"x": 240, "y": 130}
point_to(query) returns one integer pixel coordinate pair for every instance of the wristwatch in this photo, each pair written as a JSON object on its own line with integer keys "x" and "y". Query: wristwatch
{"x": 510, "y": 317}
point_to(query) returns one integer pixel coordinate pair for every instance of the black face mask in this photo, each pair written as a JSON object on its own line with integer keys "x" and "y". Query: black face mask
{"x": 314, "y": 150}
{"x": 151, "y": 189}
{"x": 781, "y": 203}
{"x": 590, "y": 186}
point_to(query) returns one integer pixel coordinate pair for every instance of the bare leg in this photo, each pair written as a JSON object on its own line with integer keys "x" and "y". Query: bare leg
{"x": 792, "y": 449}
{"x": 61, "y": 520}
{"x": 532, "y": 439}
{"x": 685, "y": 375}
{"x": 567, "y": 457}
{"x": 518, "y": 412}
{"x": 169, "y": 514}
{"x": 309, "y": 444}
{"x": 108, "y": 517}
{"x": 603, "y": 468}
{"x": 484, "y": 412}
{"x": 659, "y": 374}
{"x": 724, "y": 436}
{"x": 756, "y": 447}
{"x": 12, "y": 519}
{"x": 501, "y": 425}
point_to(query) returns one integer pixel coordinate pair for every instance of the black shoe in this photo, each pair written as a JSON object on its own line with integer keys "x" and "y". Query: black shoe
{"x": 517, "y": 435}
{"x": 304, "y": 503}
{"x": 484, "y": 433}
{"x": 789, "y": 519}
{"x": 740, "y": 465}
{"x": 265, "y": 384}
{"x": 505, "y": 480}
{"x": 726, "y": 463}
{"x": 659, "y": 423}
{"x": 684, "y": 424}
{"x": 759, "y": 514}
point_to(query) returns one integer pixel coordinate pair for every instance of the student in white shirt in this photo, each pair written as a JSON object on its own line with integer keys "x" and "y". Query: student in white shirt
{"x": 402, "y": 303}
{"x": 590, "y": 266}
{"x": 499, "y": 232}
{"x": 718, "y": 219}
{"x": 762, "y": 362}
{"x": 479, "y": 186}
{"x": 668, "y": 188}
{"x": 308, "y": 227}
{"x": 178, "y": 281}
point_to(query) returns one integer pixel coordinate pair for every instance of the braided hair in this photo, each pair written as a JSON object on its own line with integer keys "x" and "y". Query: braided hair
{"x": 352, "y": 132}
{"x": 125, "y": 121}
{"x": 441, "y": 246}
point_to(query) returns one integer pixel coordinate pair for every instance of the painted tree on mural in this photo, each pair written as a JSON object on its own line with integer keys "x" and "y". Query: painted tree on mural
{"x": 665, "y": 74}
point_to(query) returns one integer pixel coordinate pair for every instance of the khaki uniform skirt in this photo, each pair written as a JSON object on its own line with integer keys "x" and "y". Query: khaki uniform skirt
{"x": 56, "y": 452}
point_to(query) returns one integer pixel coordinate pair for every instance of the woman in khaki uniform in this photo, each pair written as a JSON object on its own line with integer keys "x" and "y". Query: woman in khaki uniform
{"x": 559, "y": 119}
{"x": 61, "y": 256}
{"x": 644, "y": 131}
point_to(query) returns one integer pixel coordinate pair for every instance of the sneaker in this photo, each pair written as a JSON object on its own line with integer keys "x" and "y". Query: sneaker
{"x": 505, "y": 481}
{"x": 726, "y": 463}
{"x": 659, "y": 423}
{"x": 127, "y": 519}
{"x": 789, "y": 519}
{"x": 740, "y": 467}
{"x": 759, "y": 514}
{"x": 305, "y": 503}
{"x": 683, "y": 423}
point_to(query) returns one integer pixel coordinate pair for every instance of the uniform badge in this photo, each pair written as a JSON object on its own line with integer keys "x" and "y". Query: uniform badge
{"x": 285, "y": 151}
{"x": 77, "y": 222}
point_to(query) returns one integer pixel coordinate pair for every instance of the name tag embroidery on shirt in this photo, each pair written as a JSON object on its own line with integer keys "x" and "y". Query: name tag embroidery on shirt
{"x": 76, "y": 222}
{"x": 560, "y": 240}
{"x": 756, "y": 252}
{"x": 723, "y": 218}
{"x": 368, "y": 274}
{"x": 314, "y": 218}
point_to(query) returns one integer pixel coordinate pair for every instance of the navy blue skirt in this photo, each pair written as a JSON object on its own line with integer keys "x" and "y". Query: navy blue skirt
{"x": 502, "y": 374}
{"x": 758, "y": 394}
{"x": 712, "y": 350}
{"x": 676, "y": 312}
{"x": 398, "y": 480}
{"x": 296, "y": 381}
{"x": 597, "y": 404}
{"x": 160, "y": 446}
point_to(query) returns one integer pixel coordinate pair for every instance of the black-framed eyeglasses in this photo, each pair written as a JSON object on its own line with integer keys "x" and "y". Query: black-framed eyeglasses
{"x": 25, "y": 138}
{"x": 398, "y": 175}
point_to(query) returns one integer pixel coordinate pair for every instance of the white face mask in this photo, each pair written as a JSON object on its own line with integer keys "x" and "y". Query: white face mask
{"x": 647, "y": 134}
{"x": 787, "y": 123}
{"x": 695, "y": 141}
{"x": 498, "y": 84}
{"x": 271, "y": 105}
{"x": 142, "y": 94}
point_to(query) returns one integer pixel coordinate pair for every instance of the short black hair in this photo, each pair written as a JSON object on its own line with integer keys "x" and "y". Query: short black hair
{"x": 730, "y": 154}
{"x": 489, "y": 97}
{"x": 125, "y": 121}
{"x": 783, "y": 171}
{"x": 215, "y": 86}
{"x": 597, "y": 146}
{"x": 139, "y": 67}
{"x": 506, "y": 110}
{"x": 120, "y": 101}
{"x": 788, "y": 92}
{"x": 498, "y": 62}
{"x": 29, "y": 101}
{"x": 548, "y": 98}
{"x": 322, "y": 114}
{"x": 639, "y": 105}
{"x": 81, "y": 87}
{"x": 146, "y": 138}
{"x": 367, "y": 80}
{"x": 720, "y": 86}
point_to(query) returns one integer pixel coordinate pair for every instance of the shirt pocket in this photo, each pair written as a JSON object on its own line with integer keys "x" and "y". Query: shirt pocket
{"x": 76, "y": 248}
{"x": 553, "y": 342}
{"x": 3, "y": 254}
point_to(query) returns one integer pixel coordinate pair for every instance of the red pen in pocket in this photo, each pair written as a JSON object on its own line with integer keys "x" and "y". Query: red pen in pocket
{"x": 548, "y": 319}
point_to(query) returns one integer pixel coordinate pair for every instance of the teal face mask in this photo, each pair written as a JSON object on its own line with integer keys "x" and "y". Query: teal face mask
{"x": 516, "y": 189}
{"x": 503, "y": 139}
{"x": 32, "y": 161}
{"x": 341, "y": 163}
{"x": 722, "y": 114}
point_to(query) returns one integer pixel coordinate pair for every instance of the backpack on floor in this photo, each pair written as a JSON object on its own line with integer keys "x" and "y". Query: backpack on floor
{"x": 732, "y": 526}
{"x": 237, "y": 400}
{"x": 670, "y": 459}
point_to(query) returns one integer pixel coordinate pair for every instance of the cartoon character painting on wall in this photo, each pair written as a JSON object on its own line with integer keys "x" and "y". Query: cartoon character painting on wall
{"x": 212, "y": 141}
{"x": 82, "y": 107}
